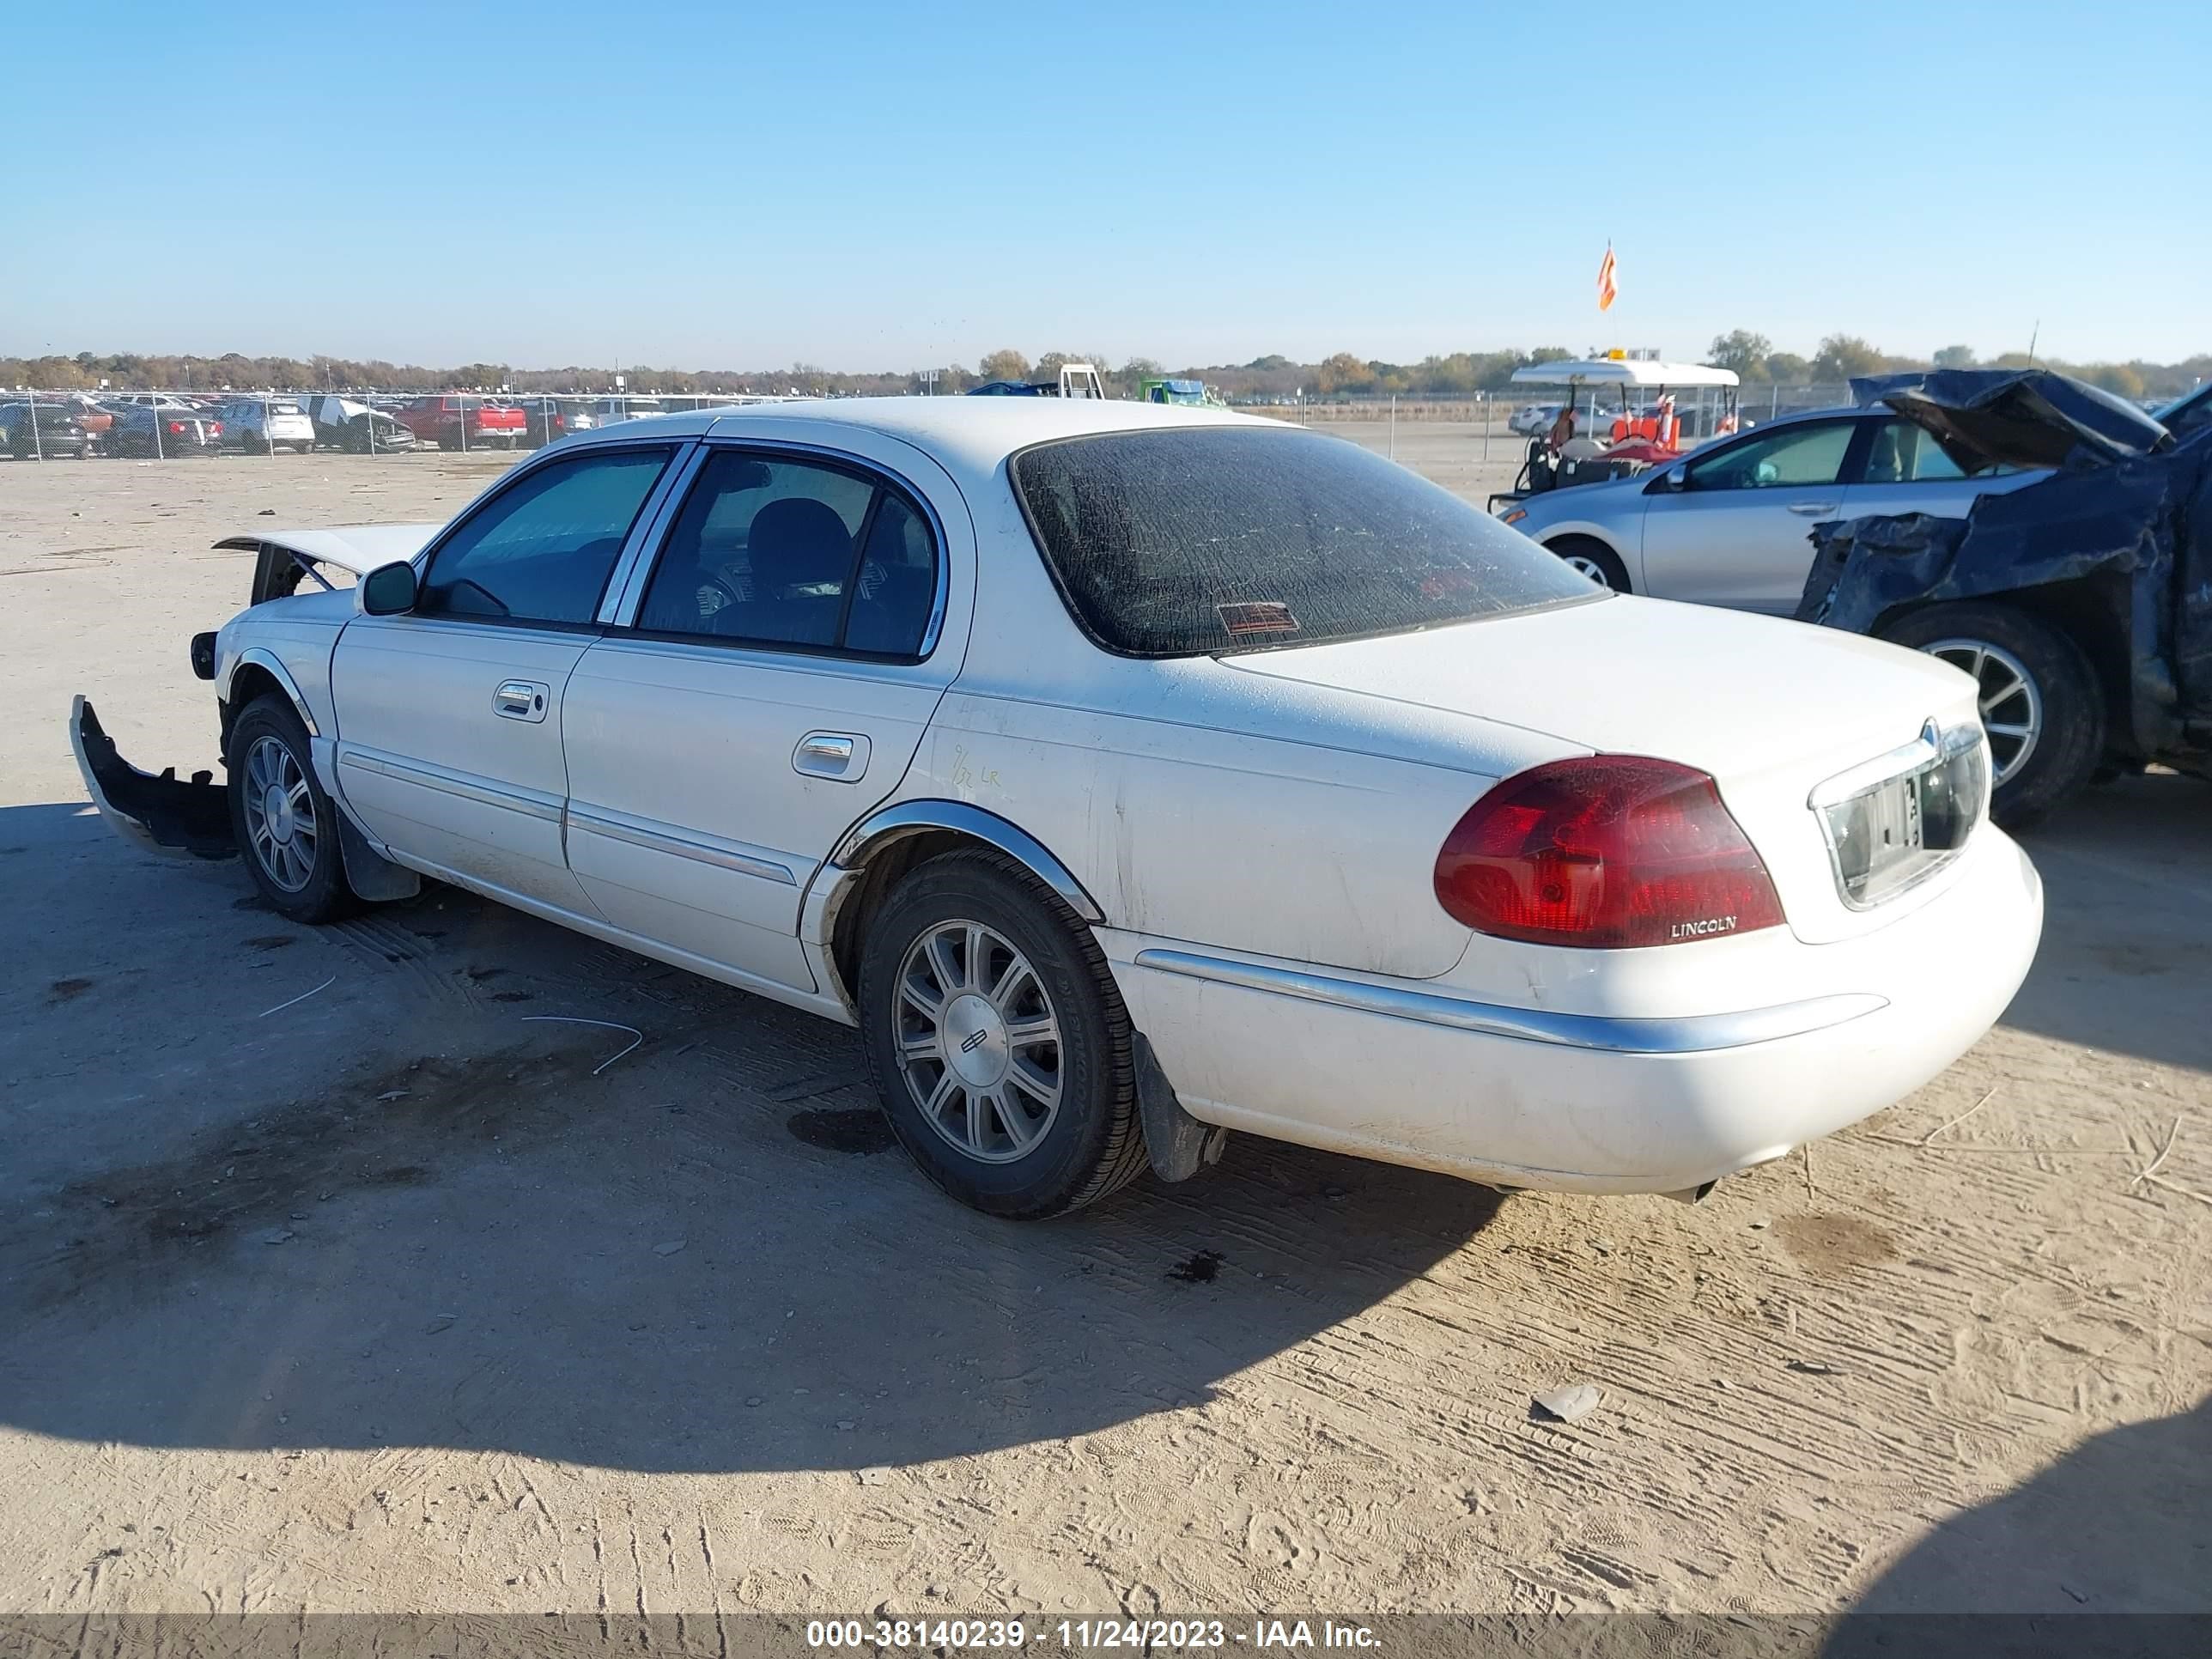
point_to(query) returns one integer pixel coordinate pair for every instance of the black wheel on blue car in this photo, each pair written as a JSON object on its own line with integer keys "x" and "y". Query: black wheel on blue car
{"x": 998, "y": 1041}
{"x": 1593, "y": 559}
{"x": 287, "y": 827}
{"x": 2041, "y": 702}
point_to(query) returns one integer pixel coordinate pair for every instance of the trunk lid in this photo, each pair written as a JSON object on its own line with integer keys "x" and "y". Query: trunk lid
{"x": 2028, "y": 418}
{"x": 1770, "y": 709}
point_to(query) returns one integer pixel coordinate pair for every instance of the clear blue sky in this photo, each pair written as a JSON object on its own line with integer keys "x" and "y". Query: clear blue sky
{"x": 544, "y": 182}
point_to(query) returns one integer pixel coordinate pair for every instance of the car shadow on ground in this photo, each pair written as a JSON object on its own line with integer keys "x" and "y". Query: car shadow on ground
{"x": 2126, "y": 956}
{"x": 2121, "y": 1525}
{"x": 407, "y": 1212}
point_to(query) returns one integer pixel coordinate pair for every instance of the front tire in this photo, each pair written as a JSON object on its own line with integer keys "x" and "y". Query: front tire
{"x": 287, "y": 827}
{"x": 1594, "y": 559}
{"x": 2041, "y": 702}
{"x": 998, "y": 1042}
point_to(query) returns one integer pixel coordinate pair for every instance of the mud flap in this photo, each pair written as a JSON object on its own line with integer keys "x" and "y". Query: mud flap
{"x": 369, "y": 873}
{"x": 1177, "y": 1143}
{"x": 165, "y": 814}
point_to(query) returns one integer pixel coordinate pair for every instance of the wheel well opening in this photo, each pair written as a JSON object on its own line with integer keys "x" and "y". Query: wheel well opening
{"x": 1576, "y": 541}
{"x": 247, "y": 686}
{"x": 2092, "y": 612}
{"x": 880, "y": 873}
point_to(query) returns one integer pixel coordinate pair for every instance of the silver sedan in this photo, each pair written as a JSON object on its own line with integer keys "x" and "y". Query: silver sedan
{"x": 1730, "y": 524}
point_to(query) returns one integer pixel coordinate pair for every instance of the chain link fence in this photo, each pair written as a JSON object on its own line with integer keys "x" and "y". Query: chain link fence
{"x": 170, "y": 425}
{"x": 41, "y": 426}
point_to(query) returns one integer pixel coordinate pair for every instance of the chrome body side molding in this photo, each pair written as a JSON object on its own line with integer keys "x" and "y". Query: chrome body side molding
{"x": 1613, "y": 1034}
{"x": 737, "y": 855}
{"x": 531, "y": 804}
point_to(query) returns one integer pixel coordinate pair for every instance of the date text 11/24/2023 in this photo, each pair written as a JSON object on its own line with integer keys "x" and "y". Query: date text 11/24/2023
{"x": 1140, "y": 1635}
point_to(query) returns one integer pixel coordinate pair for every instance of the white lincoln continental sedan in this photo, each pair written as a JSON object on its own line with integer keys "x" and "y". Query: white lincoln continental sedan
{"x": 1130, "y": 774}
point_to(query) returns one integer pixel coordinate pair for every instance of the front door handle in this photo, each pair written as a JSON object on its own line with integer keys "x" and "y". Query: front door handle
{"x": 1806, "y": 509}
{"x": 839, "y": 755}
{"x": 521, "y": 700}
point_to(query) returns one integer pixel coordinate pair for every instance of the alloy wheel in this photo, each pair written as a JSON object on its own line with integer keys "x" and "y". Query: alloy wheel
{"x": 2011, "y": 704}
{"x": 978, "y": 1040}
{"x": 280, "y": 814}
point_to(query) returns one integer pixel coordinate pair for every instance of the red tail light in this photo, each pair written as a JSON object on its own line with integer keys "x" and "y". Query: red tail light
{"x": 176, "y": 426}
{"x": 1604, "y": 852}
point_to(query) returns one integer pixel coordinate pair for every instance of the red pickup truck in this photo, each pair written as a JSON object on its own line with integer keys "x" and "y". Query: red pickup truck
{"x": 464, "y": 423}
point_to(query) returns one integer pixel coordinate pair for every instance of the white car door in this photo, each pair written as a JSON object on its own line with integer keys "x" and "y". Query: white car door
{"x": 1736, "y": 533}
{"x": 787, "y": 646}
{"x": 449, "y": 716}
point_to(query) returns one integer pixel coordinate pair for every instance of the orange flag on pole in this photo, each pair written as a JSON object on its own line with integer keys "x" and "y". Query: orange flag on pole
{"x": 1607, "y": 280}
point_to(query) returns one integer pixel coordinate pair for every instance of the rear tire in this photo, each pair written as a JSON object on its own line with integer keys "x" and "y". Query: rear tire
{"x": 967, "y": 966}
{"x": 1594, "y": 559}
{"x": 287, "y": 827}
{"x": 2040, "y": 701}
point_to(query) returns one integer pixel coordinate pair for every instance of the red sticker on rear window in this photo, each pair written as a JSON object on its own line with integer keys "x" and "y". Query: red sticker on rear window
{"x": 1259, "y": 616}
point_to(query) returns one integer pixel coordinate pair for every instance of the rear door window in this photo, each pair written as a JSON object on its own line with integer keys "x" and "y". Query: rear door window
{"x": 1198, "y": 540}
{"x": 1904, "y": 453}
{"x": 776, "y": 551}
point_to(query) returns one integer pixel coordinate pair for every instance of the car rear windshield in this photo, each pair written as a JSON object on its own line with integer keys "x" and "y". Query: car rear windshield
{"x": 1196, "y": 542}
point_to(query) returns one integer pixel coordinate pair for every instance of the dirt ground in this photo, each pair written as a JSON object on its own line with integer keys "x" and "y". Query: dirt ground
{"x": 394, "y": 1299}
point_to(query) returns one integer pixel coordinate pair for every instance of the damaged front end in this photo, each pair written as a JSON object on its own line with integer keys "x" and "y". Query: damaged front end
{"x": 192, "y": 817}
{"x": 174, "y": 816}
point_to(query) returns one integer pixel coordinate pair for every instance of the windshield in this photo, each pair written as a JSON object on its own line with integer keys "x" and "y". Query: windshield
{"x": 1193, "y": 541}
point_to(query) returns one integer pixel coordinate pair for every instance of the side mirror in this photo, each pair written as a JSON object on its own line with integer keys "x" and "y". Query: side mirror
{"x": 387, "y": 591}
{"x": 1677, "y": 476}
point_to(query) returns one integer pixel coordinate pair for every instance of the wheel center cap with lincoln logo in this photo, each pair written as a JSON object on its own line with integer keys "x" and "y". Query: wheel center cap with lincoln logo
{"x": 975, "y": 1040}
{"x": 277, "y": 810}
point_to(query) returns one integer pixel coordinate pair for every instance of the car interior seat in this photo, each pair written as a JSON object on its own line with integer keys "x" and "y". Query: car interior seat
{"x": 801, "y": 555}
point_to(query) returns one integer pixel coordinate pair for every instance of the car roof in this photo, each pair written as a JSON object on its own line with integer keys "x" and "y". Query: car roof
{"x": 980, "y": 431}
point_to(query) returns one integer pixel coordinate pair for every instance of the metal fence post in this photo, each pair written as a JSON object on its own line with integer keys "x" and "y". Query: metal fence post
{"x": 462, "y": 405}
{"x": 1485, "y": 398}
{"x": 153, "y": 402}
{"x": 371, "y": 408}
{"x": 265, "y": 438}
{"x": 38, "y": 444}
{"x": 1394, "y": 426}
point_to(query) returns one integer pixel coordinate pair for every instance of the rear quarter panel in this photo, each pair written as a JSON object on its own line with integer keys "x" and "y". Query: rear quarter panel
{"x": 1197, "y": 803}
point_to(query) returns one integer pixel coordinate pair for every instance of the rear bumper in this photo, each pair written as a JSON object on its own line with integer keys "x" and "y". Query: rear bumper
{"x": 1402, "y": 1073}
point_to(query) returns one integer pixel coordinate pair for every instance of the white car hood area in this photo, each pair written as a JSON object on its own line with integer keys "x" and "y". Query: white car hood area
{"x": 360, "y": 548}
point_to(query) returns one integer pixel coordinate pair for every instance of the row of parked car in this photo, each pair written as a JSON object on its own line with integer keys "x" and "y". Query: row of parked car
{"x": 77, "y": 426}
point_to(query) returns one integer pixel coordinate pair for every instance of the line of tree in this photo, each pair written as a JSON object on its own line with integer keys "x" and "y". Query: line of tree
{"x": 1460, "y": 373}
{"x": 1841, "y": 357}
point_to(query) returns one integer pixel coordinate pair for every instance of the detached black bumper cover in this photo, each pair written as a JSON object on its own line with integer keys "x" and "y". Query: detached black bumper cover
{"x": 162, "y": 814}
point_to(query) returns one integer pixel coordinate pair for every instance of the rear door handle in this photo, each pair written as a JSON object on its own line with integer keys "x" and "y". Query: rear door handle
{"x": 1807, "y": 508}
{"x": 839, "y": 755}
{"x": 521, "y": 700}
